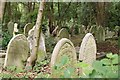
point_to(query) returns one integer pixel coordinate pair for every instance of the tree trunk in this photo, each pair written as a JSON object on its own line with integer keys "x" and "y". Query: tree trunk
{"x": 2, "y": 6}
{"x": 100, "y": 16}
{"x": 36, "y": 37}
{"x": 50, "y": 15}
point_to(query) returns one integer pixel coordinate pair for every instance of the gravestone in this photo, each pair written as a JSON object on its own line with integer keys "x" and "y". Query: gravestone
{"x": 27, "y": 28}
{"x": 87, "y": 52}
{"x": 47, "y": 33}
{"x": 15, "y": 29}
{"x": 10, "y": 26}
{"x": 82, "y": 29}
{"x": 64, "y": 47}
{"x": 110, "y": 34}
{"x": 93, "y": 30}
{"x": 100, "y": 34}
{"x": 63, "y": 33}
{"x": 117, "y": 28}
{"x": 17, "y": 51}
{"x": 42, "y": 49}
{"x": 30, "y": 38}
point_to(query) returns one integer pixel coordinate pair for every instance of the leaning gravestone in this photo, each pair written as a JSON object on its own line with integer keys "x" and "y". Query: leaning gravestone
{"x": 87, "y": 52}
{"x": 10, "y": 26}
{"x": 17, "y": 51}
{"x": 63, "y": 33}
{"x": 94, "y": 30}
{"x": 42, "y": 49}
{"x": 27, "y": 28}
{"x": 100, "y": 34}
{"x": 30, "y": 38}
{"x": 63, "y": 48}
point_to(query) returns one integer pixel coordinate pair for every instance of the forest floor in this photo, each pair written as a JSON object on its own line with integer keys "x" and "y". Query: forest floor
{"x": 108, "y": 46}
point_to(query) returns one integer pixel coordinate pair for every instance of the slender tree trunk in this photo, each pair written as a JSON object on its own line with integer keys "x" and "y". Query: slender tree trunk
{"x": 36, "y": 37}
{"x": 2, "y": 6}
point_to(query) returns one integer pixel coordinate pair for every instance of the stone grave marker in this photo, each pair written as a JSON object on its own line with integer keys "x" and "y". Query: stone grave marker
{"x": 87, "y": 52}
{"x": 30, "y": 38}
{"x": 64, "y": 47}
{"x": 17, "y": 51}
{"x": 10, "y": 26}
{"x": 117, "y": 28}
{"x": 27, "y": 28}
{"x": 93, "y": 30}
{"x": 47, "y": 33}
{"x": 100, "y": 34}
{"x": 109, "y": 34}
{"x": 82, "y": 29}
{"x": 63, "y": 33}
{"x": 42, "y": 49}
{"x": 15, "y": 29}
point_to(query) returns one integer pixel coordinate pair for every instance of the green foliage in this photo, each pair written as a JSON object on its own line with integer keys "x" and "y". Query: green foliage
{"x": 50, "y": 43}
{"x": 107, "y": 67}
{"x": 62, "y": 69}
{"x": 39, "y": 65}
{"x": 6, "y": 38}
{"x": 104, "y": 68}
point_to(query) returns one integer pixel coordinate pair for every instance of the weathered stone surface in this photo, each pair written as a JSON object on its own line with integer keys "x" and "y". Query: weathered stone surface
{"x": 87, "y": 52}
{"x": 42, "y": 49}
{"x": 2, "y": 62}
{"x": 82, "y": 29}
{"x": 17, "y": 51}
{"x": 15, "y": 29}
{"x": 62, "y": 48}
{"x": 110, "y": 34}
{"x": 30, "y": 38}
{"x": 10, "y": 26}
{"x": 94, "y": 31}
{"x": 27, "y": 28}
{"x": 63, "y": 33}
{"x": 100, "y": 34}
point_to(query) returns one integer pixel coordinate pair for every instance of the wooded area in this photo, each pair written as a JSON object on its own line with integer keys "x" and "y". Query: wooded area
{"x": 59, "y": 39}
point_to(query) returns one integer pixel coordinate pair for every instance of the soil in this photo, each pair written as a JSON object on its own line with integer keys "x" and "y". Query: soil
{"x": 108, "y": 47}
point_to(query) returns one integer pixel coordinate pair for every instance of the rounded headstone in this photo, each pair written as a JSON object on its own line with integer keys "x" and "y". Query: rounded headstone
{"x": 87, "y": 52}
{"x": 63, "y": 33}
{"x": 41, "y": 54}
{"x": 101, "y": 34}
{"x": 30, "y": 38}
{"x": 17, "y": 51}
{"x": 27, "y": 28}
{"x": 10, "y": 26}
{"x": 63, "y": 48}
{"x": 93, "y": 30}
